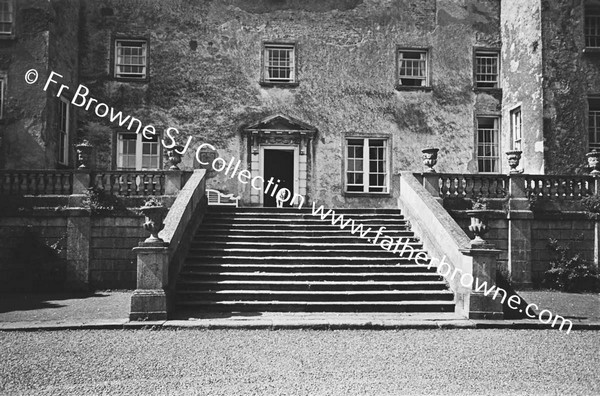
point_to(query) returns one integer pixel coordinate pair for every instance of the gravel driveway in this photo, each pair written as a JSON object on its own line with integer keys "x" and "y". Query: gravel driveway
{"x": 309, "y": 362}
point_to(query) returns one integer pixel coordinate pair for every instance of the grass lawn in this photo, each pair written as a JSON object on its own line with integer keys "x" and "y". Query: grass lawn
{"x": 584, "y": 306}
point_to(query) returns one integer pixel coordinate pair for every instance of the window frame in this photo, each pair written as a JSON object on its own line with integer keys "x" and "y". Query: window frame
{"x": 498, "y": 162}
{"x": 139, "y": 154}
{"x": 268, "y": 82}
{"x": 64, "y": 137}
{"x": 589, "y": 11}
{"x": 12, "y": 11}
{"x": 516, "y": 129}
{"x": 422, "y": 50}
{"x": 481, "y": 51}
{"x": 596, "y": 123}
{"x": 113, "y": 58}
{"x": 3, "y": 91}
{"x": 366, "y": 172}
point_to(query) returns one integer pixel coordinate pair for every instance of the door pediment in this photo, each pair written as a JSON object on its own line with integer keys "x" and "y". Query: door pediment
{"x": 281, "y": 124}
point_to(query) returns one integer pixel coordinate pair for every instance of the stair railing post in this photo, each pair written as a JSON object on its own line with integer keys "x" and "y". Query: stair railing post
{"x": 480, "y": 306}
{"x": 149, "y": 300}
{"x": 431, "y": 183}
{"x": 173, "y": 182}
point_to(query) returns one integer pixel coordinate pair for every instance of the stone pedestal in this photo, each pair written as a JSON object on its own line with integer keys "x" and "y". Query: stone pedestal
{"x": 484, "y": 270}
{"x": 81, "y": 181}
{"x": 173, "y": 182}
{"x": 149, "y": 300}
{"x": 431, "y": 183}
{"x": 519, "y": 233}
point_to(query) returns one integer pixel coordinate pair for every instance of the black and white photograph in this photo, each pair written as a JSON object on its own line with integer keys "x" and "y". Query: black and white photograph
{"x": 299, "y": 197}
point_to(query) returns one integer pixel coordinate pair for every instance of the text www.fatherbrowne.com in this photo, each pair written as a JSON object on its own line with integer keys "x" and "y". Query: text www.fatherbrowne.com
{"x": 82, "y": 99}
{"x": 402, "y": 247}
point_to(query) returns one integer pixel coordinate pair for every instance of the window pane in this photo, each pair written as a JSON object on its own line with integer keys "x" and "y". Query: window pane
{"x": 130, "y": 60}
{"x": 279, "y": 63}
{"x": 487, "y": 144}
{"x": 486, "y": 69}
{"x": 592, "y": 27}
{"x": 594, "y": 123}
{"x": 6, "y": 17}
{"x": 412, "y": 68}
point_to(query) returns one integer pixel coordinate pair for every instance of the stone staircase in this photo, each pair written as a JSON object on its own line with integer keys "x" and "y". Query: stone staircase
{"x": 268, "y": 259}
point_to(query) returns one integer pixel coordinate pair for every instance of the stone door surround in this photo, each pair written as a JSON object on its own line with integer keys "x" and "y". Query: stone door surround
{"x": 280, "y": 132}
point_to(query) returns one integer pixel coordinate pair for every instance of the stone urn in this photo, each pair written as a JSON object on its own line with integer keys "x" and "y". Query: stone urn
{"x": 478, "y": 227}
{"x": 593, "y": 159}
{"x": 430, "y": 156}
{"x": 514, "y": 157}
{"x": 174, "y": 156}
{"x": 155, "y": 215}
{"x": 84, "y": 154}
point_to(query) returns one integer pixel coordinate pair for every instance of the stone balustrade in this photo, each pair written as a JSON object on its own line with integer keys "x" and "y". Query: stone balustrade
{"x": 67, "y": 182}
{"x": 469, "y": 186}
{"x": 36, "y": 182}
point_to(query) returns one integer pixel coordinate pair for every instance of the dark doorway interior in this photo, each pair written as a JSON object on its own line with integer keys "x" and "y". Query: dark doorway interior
{"x": 279, "y": 164}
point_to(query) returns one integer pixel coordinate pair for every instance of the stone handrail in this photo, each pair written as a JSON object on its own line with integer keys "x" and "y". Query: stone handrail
{"x": 36, "y": 182}
{"x": 559, "y": 187}
{"x": 158, "y": 264}
{"x": 443, "y": 237}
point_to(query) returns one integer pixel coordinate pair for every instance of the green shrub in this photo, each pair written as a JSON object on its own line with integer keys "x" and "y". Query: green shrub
{"x": 592, "y": 204}
{"x": 569, "y": 271}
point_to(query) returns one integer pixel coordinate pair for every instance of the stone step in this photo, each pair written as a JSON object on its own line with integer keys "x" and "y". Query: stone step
{"x": 312, "y": 257}
{"x": 319, "y": 306}
{"x": 315, "y": 295}
{"x": 341, "y": 268}
{"x": 304, "y": 215}
{"x": 314, "y": 244}
{"x": 304, "y": 210}
{"x": 270, "y": 254}
{"x": 374, "y": 224}
{"x": 298, "y": 232}
{"x": 308, "y": 285}
{"x": 276, "y": 237}
{"x": 255, "y": 259}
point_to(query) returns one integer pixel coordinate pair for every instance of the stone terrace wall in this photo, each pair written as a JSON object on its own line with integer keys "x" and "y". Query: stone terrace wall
{"x": 573, "y": 229}
{"x": 113, "y": 264}
{"x": 570, "y": 229}
{"x": 96, "y": 250}
{"x": 22, "y": 236}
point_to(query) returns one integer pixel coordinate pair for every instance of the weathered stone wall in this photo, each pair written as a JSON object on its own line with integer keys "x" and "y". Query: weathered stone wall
{"x": 45, "y": 39}
{"x": 205, "y": 70}
{"x": 113, "y": 265}
{"x": 572, "y": 229}
{"x": 569, "y": 76}
{"x": 522, "y": 50}
{"x": 23, "y": 241}
{"x": 107, "y": 263}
